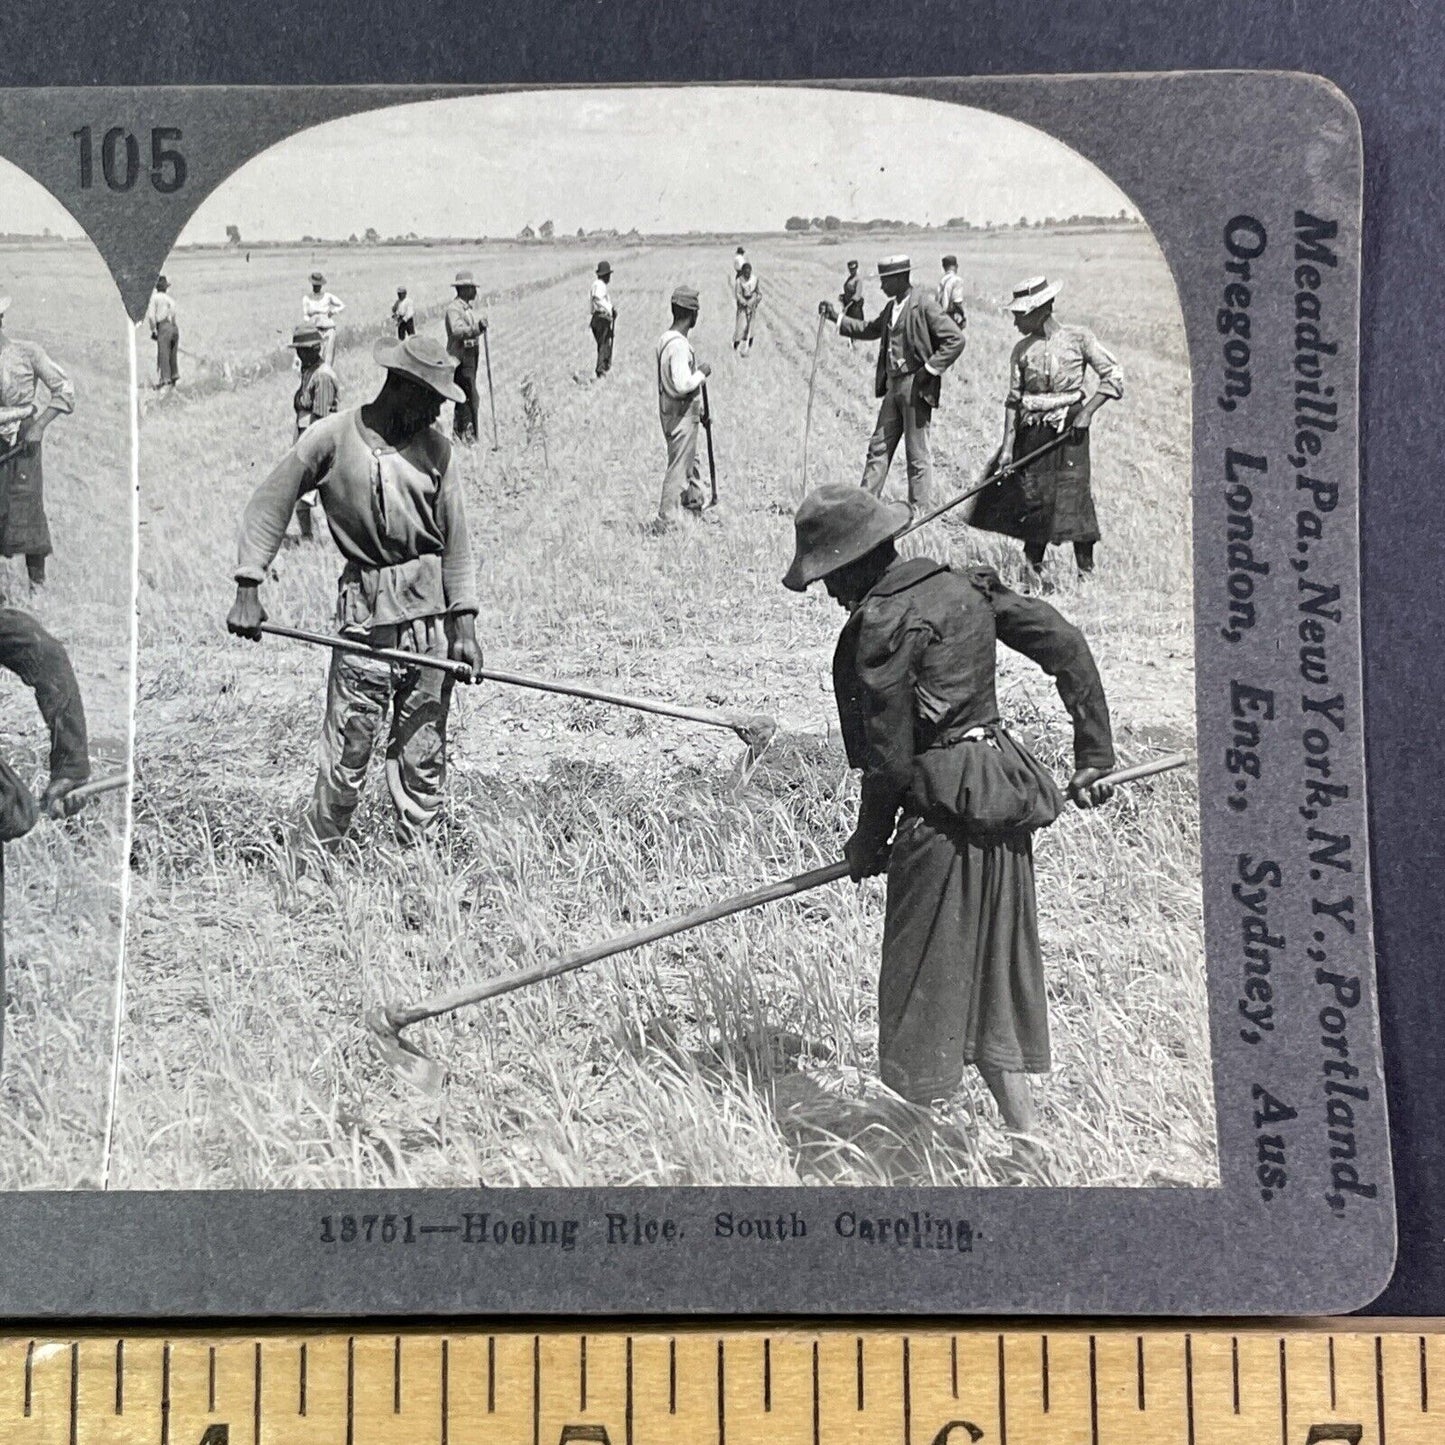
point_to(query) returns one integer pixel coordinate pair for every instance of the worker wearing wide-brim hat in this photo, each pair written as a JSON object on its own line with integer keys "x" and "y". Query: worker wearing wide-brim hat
{"x": 1048, "y": 401}
{"x": 321, "y": 309}
{"x": 680, "y": 379}
{"x": 162, "y": 320}
{"x": 403, "y": 314}
{"x": 602, "y": 317}
{"x": 389, "y": 482}
{"x": 25, "y": 368}
{"x": 917, "y": 343}
{"x": 950, "y": 799}
{"x": 465, "y": 325}
{"x": 318, "y": 393}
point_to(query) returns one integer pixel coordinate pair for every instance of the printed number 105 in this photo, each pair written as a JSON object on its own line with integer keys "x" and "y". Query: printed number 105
{"x": 367, "y": 1229}
{"x": 120, "y": 158}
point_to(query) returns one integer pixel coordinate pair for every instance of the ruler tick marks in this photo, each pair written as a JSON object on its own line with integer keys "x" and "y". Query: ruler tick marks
{"x": 166, "y": 1393}
{"x": 1139, "y": 1369}
{"x": 1044, "y": 1369}
{"x": 301, "y": 1382}
{"x": 351, "y": 1390}
{"x": 1002, "y": 1398}
{"x": 767, "y": 1375}
{"x": 1424, "y": 1379}
{"x": 396, "y": 1375}
{"x": 1189, "y": 1386}
{"x": 29, "y": 1374}
{"x": 491, "y": 1374}
{"x": 1283, "y": 1395}
{"x": 75, "y": 1394}
{"x": 256, "y": 1396}
{"x": 1380, "y": 1389}
{"x": 953, "y": 1364}
{"x": 672, "y": 1377}
{"x": 627, "y": 1404}
{"x": 1332, "y": 1373}
{"x": 907, "y": 1393}
{"x": 211, "y": 1381}
{"x": 120, "y": 1377}
{"x": 446, "y": 1393}
{"x": 1093, "y": 1392}
{"x": 582, "y": 1375}
{"x": 858, "y": 1369}
{"x": 721, "y": 1392}
{"x": 816, "y": 1411}
{"x": 536, "y": 1390}
{"x": 1234, "y": 1367}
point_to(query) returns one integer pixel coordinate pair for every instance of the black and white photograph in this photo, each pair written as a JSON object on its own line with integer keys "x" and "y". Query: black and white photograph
{"x": 66, "y": 570}
{"x": 557, "y": 769}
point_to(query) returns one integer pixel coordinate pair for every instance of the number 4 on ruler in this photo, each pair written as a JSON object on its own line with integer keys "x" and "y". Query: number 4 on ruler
{"x": 216, "y": 1435}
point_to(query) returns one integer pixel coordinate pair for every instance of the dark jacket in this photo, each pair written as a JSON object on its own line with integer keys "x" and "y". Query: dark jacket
{"x": 929, "y": 336}
{"x": 914, "y": 671}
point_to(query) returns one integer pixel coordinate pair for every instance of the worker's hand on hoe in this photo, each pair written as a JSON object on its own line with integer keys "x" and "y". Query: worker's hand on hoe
{"x": 826, "y": 308}
{"x": 54, "y": 800}
{"x": 705, "y": 368}
{"x": 246, "y": 614}
{"x": 865, "y": 856}
{"x": 1087, "y": 791}
{"x": 464, "y": 645}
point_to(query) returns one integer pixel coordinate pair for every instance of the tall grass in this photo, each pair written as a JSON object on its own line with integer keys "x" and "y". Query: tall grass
{"x": 743, "y": 1053}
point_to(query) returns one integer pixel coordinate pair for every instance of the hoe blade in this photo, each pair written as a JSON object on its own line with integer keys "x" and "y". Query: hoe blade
{"x": 402, "y": 1056}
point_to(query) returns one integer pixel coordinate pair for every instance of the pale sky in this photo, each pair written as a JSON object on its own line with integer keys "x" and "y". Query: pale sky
{"x": 27, "y": 208}
{"x": 661, "y": 160}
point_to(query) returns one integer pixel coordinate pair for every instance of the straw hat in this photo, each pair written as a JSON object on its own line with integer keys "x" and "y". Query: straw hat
{"x": 305, "y": 334}
{"x": 894, "y": 266}
{"x": 837, "y": 524}
{"x": 317, "y": 277}
{"x": 465, "y": 278}
{"x": 423, "y": 358}
{"x": 1031, "y": 294}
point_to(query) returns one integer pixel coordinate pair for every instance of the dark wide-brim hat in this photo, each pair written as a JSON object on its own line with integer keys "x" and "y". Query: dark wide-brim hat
{"x": 317, "y": 277}
{"x": 837, "y": 524}
{"x": 303, "y": 335}
{"x": 603, "y": 269}
{"x": 424, "y": 359}
{"x": 162, "y": 284}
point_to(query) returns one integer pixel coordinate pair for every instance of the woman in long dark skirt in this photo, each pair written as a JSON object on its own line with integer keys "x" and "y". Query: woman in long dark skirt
{"x": 1052, "y": 500}
{"x": 950, "y": 800}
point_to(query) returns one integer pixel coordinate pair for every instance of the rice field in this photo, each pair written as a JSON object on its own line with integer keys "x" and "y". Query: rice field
{"x": 739, "y": 1054}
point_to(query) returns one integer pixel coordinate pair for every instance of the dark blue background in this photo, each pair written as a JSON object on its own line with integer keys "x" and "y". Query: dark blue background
{"x": 1387, "y": 56}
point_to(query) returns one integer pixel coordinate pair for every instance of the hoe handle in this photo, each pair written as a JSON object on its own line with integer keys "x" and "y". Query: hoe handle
{"x": 665, "y": 928}
{"x": 463, "y": 673}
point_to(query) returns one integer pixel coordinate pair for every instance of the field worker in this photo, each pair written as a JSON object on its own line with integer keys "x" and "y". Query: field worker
{"x": 917, "y": 343}
{"x": 321, "y": 309}
{"x": 603, "y": 320}
{"x": 950, "y": 799}
{"x": 393, "y": 502}
{"x": 950, "y": 291}
{"x": 1053, "y": 501}
{"x": 464, "y": 338}
{"x": 24, "y": 368}
{"x": 851, "y": 296}
{"x": 747, "y": 295}
{"x": 679, "y": 403}
{"x": 316, "y": 397}
{"x": 163, "y": 323}
{"x": 403, "y": 313}
{"x": 739, "y": 260}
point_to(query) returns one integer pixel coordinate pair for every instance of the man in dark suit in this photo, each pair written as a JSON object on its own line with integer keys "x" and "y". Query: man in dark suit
{"x": 917, "y": 343}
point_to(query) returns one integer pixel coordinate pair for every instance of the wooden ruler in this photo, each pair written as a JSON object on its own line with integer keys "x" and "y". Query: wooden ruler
{"x": 1350, "y": 1381}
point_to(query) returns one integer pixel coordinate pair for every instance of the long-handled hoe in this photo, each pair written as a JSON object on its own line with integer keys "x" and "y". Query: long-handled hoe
{"x": 756, "y": 730}
{"x": 385, "y": 1024}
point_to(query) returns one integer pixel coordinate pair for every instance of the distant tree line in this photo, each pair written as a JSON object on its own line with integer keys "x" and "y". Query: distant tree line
{"x": 954, "y": 223}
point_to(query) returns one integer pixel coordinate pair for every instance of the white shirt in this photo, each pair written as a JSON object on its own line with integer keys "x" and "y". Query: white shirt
{"x": 319, "y": 310}
{"x": 738, "y": 258}
{"x": 601, "y": 301}
{"x": 162, "y": 308}
{"x": 950, "y": 290}
{"x": 676, "y": 374}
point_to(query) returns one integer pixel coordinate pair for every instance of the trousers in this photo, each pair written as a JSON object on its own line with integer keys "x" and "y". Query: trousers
{"x": 900, "y": 420}
{"x": 684, "y": 470}
{"x": 465, "y": 413}
{"x": 362, "y": 693}
{"x": 168, "y": 341}
{"x": 328, "y": 344}
{"x": 602, "y": 335}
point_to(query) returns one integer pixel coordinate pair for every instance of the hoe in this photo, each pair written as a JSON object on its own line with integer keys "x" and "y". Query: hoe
{"x": 756, "y": 730}
{"x": 385, "y": 1024}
